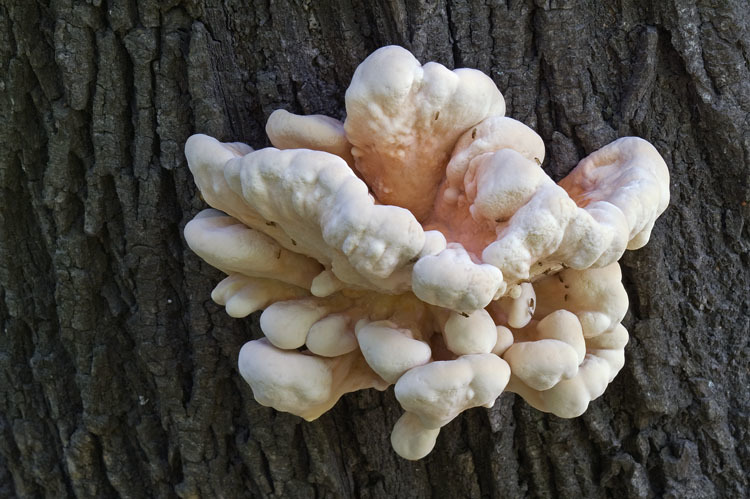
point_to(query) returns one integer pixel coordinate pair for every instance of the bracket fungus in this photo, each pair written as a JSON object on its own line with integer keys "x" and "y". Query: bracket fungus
{"x": 420, "y": 244}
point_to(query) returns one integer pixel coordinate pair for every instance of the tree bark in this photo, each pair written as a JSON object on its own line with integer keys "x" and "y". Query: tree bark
{"x": 118, "y": 374}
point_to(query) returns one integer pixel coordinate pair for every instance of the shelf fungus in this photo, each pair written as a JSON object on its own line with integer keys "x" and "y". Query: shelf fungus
{"x": 420, "y": 244}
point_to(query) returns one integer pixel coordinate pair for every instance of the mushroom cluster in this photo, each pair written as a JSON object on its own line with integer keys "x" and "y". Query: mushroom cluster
{"x": 420, "y": 244}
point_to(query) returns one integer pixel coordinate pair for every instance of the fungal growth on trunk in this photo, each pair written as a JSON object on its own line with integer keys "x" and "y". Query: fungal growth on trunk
{"x": 420, "y": 244}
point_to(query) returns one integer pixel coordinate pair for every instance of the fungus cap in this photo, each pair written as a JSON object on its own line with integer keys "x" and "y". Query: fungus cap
{"x": 391, "y": 351}
{"x": 403, "y": 120}
{"x": 410, "y": 439}
{"x": 437, "y": 392}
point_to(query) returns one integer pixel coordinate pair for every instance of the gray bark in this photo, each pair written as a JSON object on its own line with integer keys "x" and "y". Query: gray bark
{"x": 117, "y": 372}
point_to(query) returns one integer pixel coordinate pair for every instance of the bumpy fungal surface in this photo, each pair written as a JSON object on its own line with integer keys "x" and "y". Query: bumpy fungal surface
{"x": 420, "y": 244}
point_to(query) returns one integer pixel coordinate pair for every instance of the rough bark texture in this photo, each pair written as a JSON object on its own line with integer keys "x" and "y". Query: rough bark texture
{"x": 117, "y": 372}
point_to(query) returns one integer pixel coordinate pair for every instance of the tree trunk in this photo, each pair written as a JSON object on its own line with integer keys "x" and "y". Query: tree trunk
{"x": 118, "y": 374}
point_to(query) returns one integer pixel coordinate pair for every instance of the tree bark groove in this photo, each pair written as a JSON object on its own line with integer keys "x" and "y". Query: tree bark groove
{"x": 117, "y": 372}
